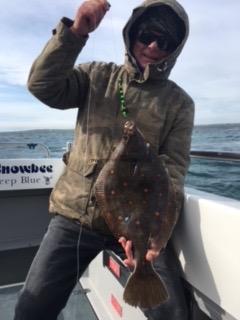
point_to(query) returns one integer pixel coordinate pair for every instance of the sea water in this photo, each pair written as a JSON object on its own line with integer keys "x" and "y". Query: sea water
{"x": 218, "y": 177}
{"x": 214, "y": 176}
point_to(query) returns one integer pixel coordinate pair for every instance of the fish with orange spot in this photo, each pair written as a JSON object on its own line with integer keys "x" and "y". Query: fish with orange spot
{"x": 137, "y": 200}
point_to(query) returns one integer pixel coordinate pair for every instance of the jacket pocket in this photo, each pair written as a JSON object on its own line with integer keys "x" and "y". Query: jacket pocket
{"x": 84, "y": 168}
{"x": 73, "y": 190}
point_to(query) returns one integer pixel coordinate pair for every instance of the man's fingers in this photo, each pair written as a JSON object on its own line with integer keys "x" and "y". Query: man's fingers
{"x": 128, "y": 263}
{"x": 152, "y": 254}
{"x": 92, "y": 16}
{"x": 122, "y": 241}
{"x": 89, "y": 16}
{"x": 102, "y": 6}
{"x": 105, "y": 4}
{"x": 127, "y": 246}
{"x": 128, "y": 250}
{"x": 97, "y": 15}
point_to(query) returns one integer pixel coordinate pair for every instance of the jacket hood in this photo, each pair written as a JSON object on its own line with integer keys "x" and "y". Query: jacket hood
{"x": 162, "y": 69}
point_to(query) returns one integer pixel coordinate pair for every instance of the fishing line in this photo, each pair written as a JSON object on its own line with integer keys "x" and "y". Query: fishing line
{"x": 85, "y": 157}
{"x": 86, "y": 160}
{"x": 114, "y": 34}
{"x": 85, "y": 163}
{"x": 78, "y": 257}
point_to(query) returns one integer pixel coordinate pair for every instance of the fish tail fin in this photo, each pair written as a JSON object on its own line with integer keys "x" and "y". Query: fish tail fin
{"x": 144, "y": 288}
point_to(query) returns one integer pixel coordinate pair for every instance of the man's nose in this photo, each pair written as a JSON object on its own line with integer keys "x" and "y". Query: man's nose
{"x": 153, "y": 45}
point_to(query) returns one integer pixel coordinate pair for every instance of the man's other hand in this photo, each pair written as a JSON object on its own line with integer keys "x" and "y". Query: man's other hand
{"x": 152, "y": 253}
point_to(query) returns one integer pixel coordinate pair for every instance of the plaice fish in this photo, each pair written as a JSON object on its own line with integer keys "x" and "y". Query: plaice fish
{"x": 137, "y": 200}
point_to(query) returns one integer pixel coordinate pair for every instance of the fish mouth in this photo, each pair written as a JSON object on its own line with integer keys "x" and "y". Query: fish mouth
{"x": 129, "y": 128}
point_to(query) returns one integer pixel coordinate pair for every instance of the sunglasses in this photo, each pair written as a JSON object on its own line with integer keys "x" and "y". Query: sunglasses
{"x": 163, "y": 41}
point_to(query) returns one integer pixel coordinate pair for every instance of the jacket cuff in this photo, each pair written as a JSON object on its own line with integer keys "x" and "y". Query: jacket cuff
{"x": 64, "y": 34}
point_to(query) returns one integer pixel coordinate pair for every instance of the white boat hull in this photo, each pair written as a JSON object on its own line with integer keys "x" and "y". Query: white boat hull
{"x": 206, "y": 238}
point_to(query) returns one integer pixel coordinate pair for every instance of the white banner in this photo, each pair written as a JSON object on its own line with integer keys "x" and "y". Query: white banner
{"x": 19, "y": 174}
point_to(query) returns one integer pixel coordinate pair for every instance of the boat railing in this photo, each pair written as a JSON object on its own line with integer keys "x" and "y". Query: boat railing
{"x": 19, "y": 149}
{"x": 216, "y": 155}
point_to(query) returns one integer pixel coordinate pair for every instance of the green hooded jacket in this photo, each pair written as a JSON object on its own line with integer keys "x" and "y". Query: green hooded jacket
{"x": 161, "y": 109}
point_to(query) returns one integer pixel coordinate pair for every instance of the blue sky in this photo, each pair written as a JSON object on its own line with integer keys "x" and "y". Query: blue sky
{"x": 208, "y": 69}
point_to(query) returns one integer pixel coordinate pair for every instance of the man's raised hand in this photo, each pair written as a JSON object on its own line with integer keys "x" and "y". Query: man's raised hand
{"x": 88, "y": 16}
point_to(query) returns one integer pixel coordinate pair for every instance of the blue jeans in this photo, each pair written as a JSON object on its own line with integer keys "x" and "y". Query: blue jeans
{"x": 57, "y": 266}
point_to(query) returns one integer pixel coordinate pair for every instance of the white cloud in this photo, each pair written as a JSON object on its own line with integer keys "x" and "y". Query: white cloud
{"x": 28, "y": 115}
{"x": 208, "y": 68}
{"x": 25, "y": 30}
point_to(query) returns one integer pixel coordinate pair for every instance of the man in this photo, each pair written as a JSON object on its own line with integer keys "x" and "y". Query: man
{"x": 107, "y": 95}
